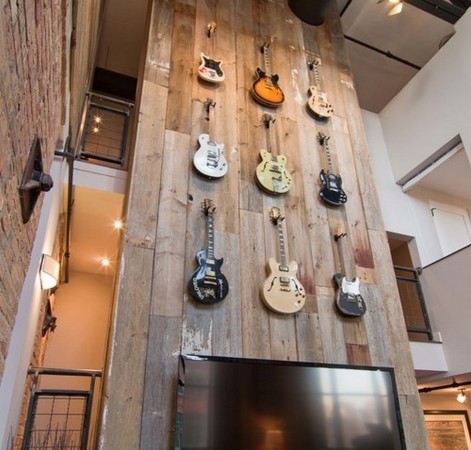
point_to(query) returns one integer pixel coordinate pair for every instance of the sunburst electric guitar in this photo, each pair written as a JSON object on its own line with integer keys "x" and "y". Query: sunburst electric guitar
{"x": 272, "y": 174}
{"x": 331, "y": 191}
{"x": 265, "y": 89}
{"x": 211, "y": 69}
{"x": 282, "y": 292}
{"x": 348, "y": 298}
{"x": 317, "y": 104}
{"x": 208, "y": 284}
{"x": 209, "y": 159}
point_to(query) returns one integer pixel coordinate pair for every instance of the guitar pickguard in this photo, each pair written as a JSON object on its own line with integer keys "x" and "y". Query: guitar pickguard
{"x": 349, "y": 300}
{"x": 209, "y": 159}
{"x": 272, "y": 174}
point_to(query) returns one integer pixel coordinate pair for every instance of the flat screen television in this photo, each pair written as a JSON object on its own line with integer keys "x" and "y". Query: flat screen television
{"x": 247, "y": 404}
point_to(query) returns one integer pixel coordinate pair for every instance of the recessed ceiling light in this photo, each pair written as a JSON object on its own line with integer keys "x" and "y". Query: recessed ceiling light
{"x": 105, "y": 262}
{"x": 118, "y": 224}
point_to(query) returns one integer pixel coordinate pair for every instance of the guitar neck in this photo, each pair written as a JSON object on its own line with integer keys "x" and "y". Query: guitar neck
{"x": 327, "y": 153}
{"x": 317, "y": 78}
{"x": 210, "y": 233}
{"x": 281, "y": 241}
{"x": 209, "y": 116}
{"x": 266, "y": 60}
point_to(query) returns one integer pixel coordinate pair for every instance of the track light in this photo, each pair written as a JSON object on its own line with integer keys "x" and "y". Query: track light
{"x": 461, "y": 396}
{"x": 396, "y": 9}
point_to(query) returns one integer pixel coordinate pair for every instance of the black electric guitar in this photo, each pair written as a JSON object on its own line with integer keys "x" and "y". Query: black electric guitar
{"x": 282, "y": 292}
{"x": 331, "y": 191}
{"x": 265, "y": 89}
{"x": 211, "y": 69}
{"x": 348, "y": 297}
{"x": 317, "y": 104}
{"x": 207, "y": 284}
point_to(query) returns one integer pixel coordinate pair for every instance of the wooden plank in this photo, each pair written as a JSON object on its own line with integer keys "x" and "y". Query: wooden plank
{"x": 169, "y": 277}
{"x": 160, "y": 404}
{"x": 309, "y": 338}
{"x": 333, "y": 341}
{"x": 127, "y": 358}
{"x": 255, "y": 325}
{"x": 157, "y": 67}
{"x": 181, "y": 69}
{"x": 143, "y": 197}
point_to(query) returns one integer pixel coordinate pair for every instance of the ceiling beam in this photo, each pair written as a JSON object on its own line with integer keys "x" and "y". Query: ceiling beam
{"x": 439, "y": 8}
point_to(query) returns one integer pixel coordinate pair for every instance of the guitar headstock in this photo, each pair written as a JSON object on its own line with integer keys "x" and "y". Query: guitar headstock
{"x": 267, "y": 119}
{"x": 339, "y": 233}
{"x": 275, "y": 215}
{"x": 322, "y": 138}
{"x": 208, "y": 206}
{"x": 314, "y": 64}
{"x": 211, "y": 28}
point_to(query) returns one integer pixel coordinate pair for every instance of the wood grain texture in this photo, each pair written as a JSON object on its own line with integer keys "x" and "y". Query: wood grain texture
{"x": 166, "y": 221}
{"x": 124, "y": 388}
{"x": 144, "y": 190}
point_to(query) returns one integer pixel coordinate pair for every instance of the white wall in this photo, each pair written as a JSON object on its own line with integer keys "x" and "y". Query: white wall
{"x": 24, "y": 331}
{"x": 434, "y": 107}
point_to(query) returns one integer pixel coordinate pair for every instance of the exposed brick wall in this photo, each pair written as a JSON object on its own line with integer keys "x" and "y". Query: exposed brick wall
{"x": 31, "y": 102}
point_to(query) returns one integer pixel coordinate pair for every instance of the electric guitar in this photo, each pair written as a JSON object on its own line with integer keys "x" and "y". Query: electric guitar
{"x": 265, "y": 89}
{"x": 331, "y": 190}
{"x": 272, "y": 174}
{"x": 209, "y": 159}
{"x": 210, "y": 69}
{"x": 317, "y": 103}
{"x": 348, "y": 297}
{"x": 282, "y": 292}
{"x": 207, "y": 284}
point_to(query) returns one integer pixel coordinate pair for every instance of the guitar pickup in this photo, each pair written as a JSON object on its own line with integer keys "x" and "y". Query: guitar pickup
{"x": 282, "y": 268}
{"x": 284, "y": 280}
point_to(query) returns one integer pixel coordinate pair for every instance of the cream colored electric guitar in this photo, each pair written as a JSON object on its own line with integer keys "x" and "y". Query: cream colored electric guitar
{"x": 317, "y": 104}
{"x": 282, "y": 292}
{"x": 272, "y": 174}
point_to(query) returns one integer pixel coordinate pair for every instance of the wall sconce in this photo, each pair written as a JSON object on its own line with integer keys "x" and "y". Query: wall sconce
{"x": 34, "y": 181}
{"x": 48, "y": 272}
{"x": 461, "y": 396}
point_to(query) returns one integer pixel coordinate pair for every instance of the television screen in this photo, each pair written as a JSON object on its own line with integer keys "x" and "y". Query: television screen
{"x": 245, "y": 404}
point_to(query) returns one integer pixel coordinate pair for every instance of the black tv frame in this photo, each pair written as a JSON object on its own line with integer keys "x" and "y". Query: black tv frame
{"x": 281, "y": 363}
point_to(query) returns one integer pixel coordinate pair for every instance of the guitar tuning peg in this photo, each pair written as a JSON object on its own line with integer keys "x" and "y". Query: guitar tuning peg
{"x": 310, "y": 64}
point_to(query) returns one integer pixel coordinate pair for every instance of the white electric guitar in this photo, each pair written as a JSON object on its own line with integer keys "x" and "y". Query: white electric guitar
{"x": 317, "y": 103}
{"x": 209, "y": 159}
{"x": 211, "y": 69}
{"x": 282, "y": 292}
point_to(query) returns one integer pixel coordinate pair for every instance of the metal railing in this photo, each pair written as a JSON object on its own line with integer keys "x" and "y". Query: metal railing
{"x": 103, "y": 133}
{"x": 413, "y": 303}
{"x": 59, "y": 418}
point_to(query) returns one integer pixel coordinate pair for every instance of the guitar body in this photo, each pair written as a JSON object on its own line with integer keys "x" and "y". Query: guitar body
{"x": 207, "y": 284}
{"x": 265, "y": 90}
{"x": 348, "y": 298}
{"x": 209, "y": 159}
{"x": 210, "y": 70}
{"x": 272, "y": 174}
{"x": 282, "y": 292}
{"x": 318, "y": 105}
{"x": 331, "y": 191}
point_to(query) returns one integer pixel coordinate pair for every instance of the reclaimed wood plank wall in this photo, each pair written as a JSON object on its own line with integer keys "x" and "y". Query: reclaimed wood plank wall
{"x": 155, "y": 319}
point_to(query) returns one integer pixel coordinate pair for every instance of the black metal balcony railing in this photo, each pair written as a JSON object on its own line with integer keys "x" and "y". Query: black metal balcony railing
{"x": 60, "y": 418}
{"x": 413, "y": 303}
{"x": 104, "y": 131}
